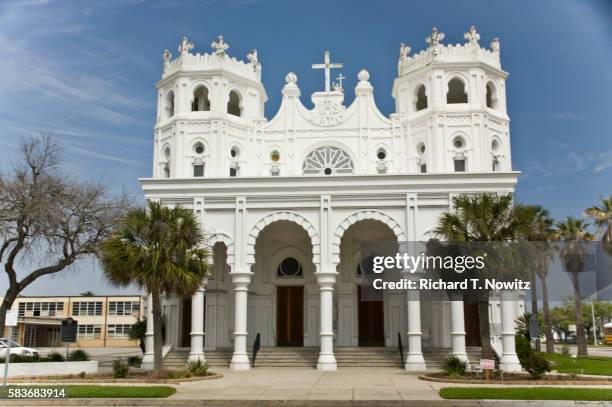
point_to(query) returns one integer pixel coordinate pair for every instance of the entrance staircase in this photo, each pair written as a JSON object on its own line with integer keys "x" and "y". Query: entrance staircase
{"x": 307, "y": 357}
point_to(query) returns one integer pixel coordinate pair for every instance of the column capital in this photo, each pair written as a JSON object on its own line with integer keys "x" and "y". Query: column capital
{"x": 326, "y": 277}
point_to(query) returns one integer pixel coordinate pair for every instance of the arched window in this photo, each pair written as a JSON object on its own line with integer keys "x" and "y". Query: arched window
{"x": 495, "y": 164}
{"x": 200, "y": 101}
{"x": 381, "y": 166}
{"x": 169, "y": 105}
{"x": 421, "y": 98}
{"x": 234, "y": 167}
{"x": 421, "y": 157}
{"x": 328, "y": 160}
{"x": 460, "y": 162}
{"x": 289, "y": 267}
{"x": 491, "y": 95}
{"x": 166, "y": 162}
{"x": 198, "y": 167}
{"x": 456, "y": 91}
{"x": 366, "y": 266}
{"x": 274, "y": 158}
{"x": 234, "y": 105}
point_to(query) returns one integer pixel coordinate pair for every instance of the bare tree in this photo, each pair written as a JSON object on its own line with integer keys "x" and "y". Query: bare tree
{"x": 49, "y": 216}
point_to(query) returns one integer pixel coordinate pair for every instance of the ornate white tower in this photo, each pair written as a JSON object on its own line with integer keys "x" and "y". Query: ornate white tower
{"x": 453, "y": 101}
{"x": 207, "y": 106}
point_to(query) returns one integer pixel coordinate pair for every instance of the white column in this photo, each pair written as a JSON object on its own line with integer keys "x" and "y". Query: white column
{"x": 147, "y": 359}
{"x": 458, "y": 330}
{"x": 414, "y": 358}
{"x": 241, "y": 280}
{"x": 197, "y": 324}
{"x": 327, "y": 360}
{"x": 509, "y": 360}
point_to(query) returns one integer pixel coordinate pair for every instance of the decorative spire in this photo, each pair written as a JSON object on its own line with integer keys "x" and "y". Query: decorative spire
{"x": 435, "y": 38}
{"x": 472, "y": 36}
{"x": 252, "y": 57}
{"x": 167, "y": 57}
{"x": 185, "y": 46}
{"x": 220, "y": 46}
{"x": 403, "y": 56}
{"x": 495, "y": 45}
{"x": 291, "y": 78}
{"x": 404, "y": 51}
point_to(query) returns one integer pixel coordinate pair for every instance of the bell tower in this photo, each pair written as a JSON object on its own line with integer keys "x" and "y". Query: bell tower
{"x": 208, "y": 105}
{"x": 453, "y": 101}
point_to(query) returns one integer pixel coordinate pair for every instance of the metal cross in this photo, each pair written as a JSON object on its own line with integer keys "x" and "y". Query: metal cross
{"x": 327, "y": 66}
{"x": 340, "y": 78}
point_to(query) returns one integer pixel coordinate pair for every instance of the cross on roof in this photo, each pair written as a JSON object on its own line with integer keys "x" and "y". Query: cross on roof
{"x": 327, "y": 65}
{"x": 340, "y": 78}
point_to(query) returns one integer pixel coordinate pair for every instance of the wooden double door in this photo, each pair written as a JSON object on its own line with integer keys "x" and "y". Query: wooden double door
{"x": 290, "y": 315}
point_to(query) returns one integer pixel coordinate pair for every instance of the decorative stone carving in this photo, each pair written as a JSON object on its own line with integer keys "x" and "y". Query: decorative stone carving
{"x": 167, "y": 57}
{"x": 219, "y": 46}
{"x": 403, "y": 56}
{"x": 495, "y": 45}
{"x": 434, "y": 40}
{"x": 291, "y": 78}
{"x": 472, "y": 36}
{"x": 185, "y": 46}
{"x": 252, "y": 57}
{"x": 363, "y": 76}
{"x": 328, "y": 112}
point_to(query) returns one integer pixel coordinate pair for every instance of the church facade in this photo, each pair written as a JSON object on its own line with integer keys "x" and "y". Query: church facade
{"x": 287, "y": 203}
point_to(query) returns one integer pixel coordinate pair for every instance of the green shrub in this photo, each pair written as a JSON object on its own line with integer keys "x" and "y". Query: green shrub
{"x": 178, "y": 374}
{"x": 17, "y": 358}
{"x": 523, "y": 347}
{"x": 198, "y": 368}
{"x": 82, "y": 375}
{"x": 134, "y": 361}
{"x": 536, "y": 365}
{"x": 78, "y": 355}
{"x": 453, "y": 366}
{"x": 54, "y": 357}
{"x": 120, "y": 369}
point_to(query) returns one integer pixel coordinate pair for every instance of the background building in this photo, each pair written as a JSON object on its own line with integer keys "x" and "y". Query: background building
{"x": 103, "y": 321}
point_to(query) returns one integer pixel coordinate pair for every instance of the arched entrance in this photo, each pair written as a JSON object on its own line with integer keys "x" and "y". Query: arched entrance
{"x": 376, "y": 317}
{"x": 283, "y": 285}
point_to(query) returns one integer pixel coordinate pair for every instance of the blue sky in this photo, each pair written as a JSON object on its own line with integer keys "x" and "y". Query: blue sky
{"x": 86, "y": 71}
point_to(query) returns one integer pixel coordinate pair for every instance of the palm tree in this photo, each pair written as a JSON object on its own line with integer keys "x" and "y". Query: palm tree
{"x": 602, "y": 217}
{"x": 572, "y": 232}
{"x": 538, "y": 231}
{"x": 480, "y": 218}
{"x": 158, "y": 250}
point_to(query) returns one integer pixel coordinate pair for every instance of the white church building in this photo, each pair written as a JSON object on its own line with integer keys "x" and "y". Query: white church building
{"x": 287, "y": 201}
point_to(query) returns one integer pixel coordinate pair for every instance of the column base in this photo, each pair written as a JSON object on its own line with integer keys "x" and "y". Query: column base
{"x": 194, "y": 357}
{"x": 415, "y": 363}
{"x": 147, "y": 361}
{"x": 327, "y": 363}
{"x": 510, "y": 363}
{"x": 240, "y": 362}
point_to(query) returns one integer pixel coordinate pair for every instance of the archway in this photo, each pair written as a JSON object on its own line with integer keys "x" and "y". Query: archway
{"x": 283, "y": 273}
{"x": 376, "y": 317}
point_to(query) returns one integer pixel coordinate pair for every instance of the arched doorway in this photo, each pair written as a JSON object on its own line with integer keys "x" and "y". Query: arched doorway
{"x": 282, "y": 286}
{"x": 375, "y": 316}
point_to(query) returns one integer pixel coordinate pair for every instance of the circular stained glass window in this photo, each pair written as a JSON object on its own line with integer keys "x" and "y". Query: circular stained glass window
{"x": 289, "y": 267}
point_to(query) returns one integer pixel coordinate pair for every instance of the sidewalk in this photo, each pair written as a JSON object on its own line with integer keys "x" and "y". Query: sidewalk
{"x": 310, "y": 384}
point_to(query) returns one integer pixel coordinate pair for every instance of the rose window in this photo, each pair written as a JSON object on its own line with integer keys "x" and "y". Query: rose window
{"x": 328, "y": 161}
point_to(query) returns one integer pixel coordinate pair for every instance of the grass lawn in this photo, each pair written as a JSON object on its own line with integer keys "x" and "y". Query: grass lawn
{"x": 526, "y": 393}
{"x": 94, "y": 391}
{"x": 596, "y": 365}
